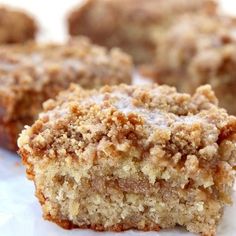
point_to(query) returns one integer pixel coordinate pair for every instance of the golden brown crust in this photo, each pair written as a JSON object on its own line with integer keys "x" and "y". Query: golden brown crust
{"x": 67, "y": 224}
{"x": 126, "y": 157}
{"x": 24, "y": 26}
{"x": 29, "y": 171}
{"x": 32, "y": 73}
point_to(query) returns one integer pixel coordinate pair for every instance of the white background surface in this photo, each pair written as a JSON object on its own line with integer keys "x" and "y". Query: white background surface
{"x": 20, "y": 213}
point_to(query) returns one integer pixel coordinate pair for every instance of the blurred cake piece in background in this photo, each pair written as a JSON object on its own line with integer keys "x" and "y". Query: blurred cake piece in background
{"x": 32, "y": 73}
{"x": 131, "y": 24}
{"x": 16, "y": 26}
{"x": 198, "y": 50}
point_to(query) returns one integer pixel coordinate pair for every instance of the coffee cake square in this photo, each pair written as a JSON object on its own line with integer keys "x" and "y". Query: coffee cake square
{"x": 132, "y": 157}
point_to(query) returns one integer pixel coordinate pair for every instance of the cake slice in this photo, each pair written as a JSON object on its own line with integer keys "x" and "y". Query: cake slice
{"x": 16, "y": 26}
{"x": 198, "y": 50}
{"x": 32, "y": 73}
{"x": 131, "y": 24}
{"x": 132, "y": 157}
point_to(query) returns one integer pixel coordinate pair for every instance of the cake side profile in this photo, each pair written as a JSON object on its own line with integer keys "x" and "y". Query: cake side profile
{"x": 198, "y": 50}
{"x": 32, "y": 73}
{"x": 132, "y": 157}
{"x": 130, "y": 24}
{"x": 25, "y": 27}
